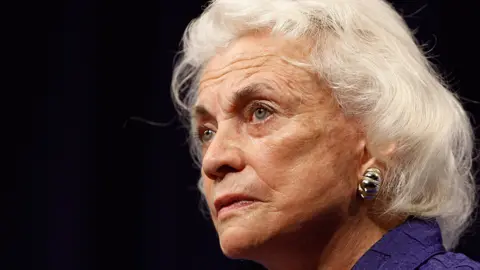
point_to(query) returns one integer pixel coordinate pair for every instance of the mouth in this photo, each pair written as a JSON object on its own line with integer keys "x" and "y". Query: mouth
{"x": 233, "y": 201}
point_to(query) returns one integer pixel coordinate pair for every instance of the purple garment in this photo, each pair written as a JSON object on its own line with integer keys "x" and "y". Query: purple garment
{"x": 416, "y": 244}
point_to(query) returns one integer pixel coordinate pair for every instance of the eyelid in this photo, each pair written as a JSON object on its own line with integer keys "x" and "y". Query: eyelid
{"x": 258, "y": 104}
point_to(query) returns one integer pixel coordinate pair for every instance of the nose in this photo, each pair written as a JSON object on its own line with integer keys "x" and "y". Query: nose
{"x": 224, "y": 155}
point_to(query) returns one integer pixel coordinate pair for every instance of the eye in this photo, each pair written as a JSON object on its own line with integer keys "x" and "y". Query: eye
{"x": 206, "y": 135}
{"x": 261, "y": 114}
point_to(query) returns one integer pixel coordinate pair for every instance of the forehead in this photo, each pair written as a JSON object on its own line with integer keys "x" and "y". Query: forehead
{"x": 258, "y": 57}
{"x": 253, "y": 48}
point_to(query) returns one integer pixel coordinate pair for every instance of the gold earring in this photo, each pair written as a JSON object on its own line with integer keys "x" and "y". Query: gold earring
{"x": 370, "y": 184}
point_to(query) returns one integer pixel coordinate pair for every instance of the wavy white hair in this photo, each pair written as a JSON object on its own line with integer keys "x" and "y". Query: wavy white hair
{"x": 378, "y": 73}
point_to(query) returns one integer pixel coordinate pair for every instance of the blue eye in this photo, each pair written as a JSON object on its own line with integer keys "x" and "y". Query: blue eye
{"x": 260, "y": 114}
{"x": 207, "y": 135}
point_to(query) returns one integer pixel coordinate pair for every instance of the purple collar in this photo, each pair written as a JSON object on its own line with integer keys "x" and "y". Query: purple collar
{"x": 415, "y": 244}
{"x": 406, "y": 247}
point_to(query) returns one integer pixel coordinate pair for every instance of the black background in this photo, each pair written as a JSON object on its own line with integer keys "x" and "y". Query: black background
{"x": 98, "y": 191}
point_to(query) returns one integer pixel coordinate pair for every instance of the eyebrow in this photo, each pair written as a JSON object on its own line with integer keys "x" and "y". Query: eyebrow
{"x": 249, "y": 91}
{"x": 241, "y": 96}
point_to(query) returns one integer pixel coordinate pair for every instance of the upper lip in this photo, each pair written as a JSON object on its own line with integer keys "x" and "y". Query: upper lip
{"x": 228, "y": 199}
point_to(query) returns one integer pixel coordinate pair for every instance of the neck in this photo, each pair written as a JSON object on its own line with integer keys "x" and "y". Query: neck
{"x": 339, "y": 249}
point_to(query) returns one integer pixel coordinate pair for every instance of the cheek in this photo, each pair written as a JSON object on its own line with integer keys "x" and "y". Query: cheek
{"x": 302, "y": 163}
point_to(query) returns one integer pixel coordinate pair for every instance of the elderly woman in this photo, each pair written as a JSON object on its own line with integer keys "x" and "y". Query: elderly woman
{"x": 325, "y": 138}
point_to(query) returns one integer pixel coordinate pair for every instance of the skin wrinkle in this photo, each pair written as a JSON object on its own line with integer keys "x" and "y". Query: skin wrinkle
{"x": 302, "y": 162}
{"x": 219, "y": 73}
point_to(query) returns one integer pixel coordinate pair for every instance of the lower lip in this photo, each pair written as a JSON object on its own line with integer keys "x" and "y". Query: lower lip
{"x": 233, "y": 207}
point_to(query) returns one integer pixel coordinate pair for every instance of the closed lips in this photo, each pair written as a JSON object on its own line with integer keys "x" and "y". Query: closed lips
{"x": 230, "y": 199}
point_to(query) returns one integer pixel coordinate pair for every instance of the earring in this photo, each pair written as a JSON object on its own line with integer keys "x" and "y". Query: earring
{"x": 370, "y": 184}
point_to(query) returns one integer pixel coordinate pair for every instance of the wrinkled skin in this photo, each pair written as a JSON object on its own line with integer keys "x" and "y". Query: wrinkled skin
{"x": 287, "y": 144}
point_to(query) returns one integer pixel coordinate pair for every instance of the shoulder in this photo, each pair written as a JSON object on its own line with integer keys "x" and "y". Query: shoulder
{"x": 450, "y": 260}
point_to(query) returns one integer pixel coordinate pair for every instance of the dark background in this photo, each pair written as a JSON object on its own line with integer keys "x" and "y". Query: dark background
{"x": 96, "y": 191}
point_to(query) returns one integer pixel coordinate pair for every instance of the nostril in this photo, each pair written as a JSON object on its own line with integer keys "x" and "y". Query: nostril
{"x": 224, "y": 169}
{"x": 219, "y": 173}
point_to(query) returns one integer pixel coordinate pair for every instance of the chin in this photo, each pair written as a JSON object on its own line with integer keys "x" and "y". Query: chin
{"x": 239, "y": 242}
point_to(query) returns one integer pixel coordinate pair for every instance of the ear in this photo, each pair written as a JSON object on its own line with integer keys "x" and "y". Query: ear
{"x": 367, "y": 160}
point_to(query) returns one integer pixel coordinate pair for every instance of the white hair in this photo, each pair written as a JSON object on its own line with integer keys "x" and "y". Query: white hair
{"x": 379, "y": 74}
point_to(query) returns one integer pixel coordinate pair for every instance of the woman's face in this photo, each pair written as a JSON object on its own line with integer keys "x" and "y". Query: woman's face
{"x": 280, "y": 160}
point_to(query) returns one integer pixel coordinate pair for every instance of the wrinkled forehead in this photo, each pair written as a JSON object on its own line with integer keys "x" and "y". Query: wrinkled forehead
{"x": 251, "y": 50}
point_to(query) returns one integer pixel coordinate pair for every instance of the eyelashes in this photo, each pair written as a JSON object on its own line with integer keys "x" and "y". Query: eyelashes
{"x": 256, "y": 113}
